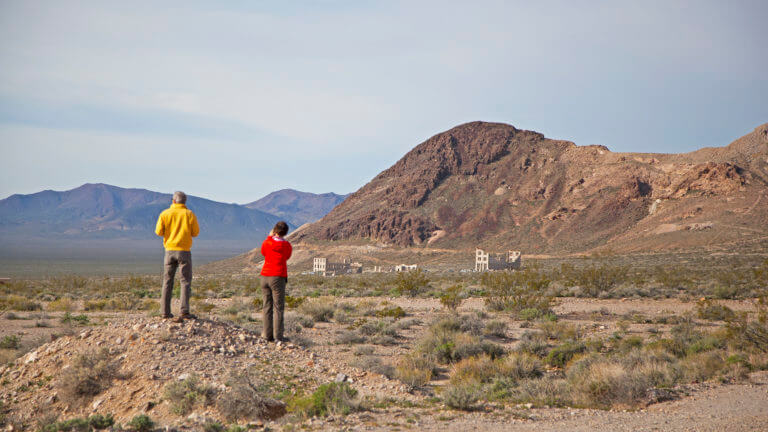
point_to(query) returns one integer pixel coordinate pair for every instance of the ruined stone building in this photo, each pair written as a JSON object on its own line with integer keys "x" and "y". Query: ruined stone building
{"x": 321, "y": 266}
{"x": 405, "y": 267}
{"x": 497, "y": 261}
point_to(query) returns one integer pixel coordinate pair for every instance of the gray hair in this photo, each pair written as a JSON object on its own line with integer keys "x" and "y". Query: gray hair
{"x": 179, "y": 197}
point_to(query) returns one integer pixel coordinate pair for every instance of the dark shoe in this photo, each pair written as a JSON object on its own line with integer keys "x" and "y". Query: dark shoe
{"x": 284, "y": 340}
{"x": 169, "y": 316}
{"x": 188, "y": 316}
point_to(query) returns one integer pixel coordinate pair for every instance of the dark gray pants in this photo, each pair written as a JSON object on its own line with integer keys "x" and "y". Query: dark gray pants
{"x": 173, "y": 260}
{"x": 273, "y": 288}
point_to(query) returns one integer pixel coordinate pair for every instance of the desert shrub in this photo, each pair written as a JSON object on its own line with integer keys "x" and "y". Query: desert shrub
{"x": 60, "y": 305}
{"x": 293, "y": 302}
{"x": 379, "y": 327}
{"x": 496, "y": 328}
{"x": 478, "y": 369}
{"x": 19, "y": 303}
{"x": 244, "y": 400}
{"x": 713, "y": 311}
{"x": 213, "y": 426}
{"x": 305, "y": 321}
{"x": 531, "y": 314}
{"x": 533, "y": 343}
{"x": 10, "y": 342}
{"x": 141, "y": 423}
{"x": 120, "y": 303}
{"x": 374, "y": 364}
{"x": 595, "y": 280}
{"x": 414, "y": 369}
{"x": 88, "y": 375}
{"x": 349, "y": 337}
{"x": 473, "y": 324}
{"x": 68, "y": 318}
{"x": 332, "y": 398}
{"x": 395, "y": 312}
{"x": 747, "y": 335}
{"x": 411, "y": 283}
{"x": 99, "y": 421}
{"x": 560, "y": 355}
{"x": 321, "y": 310}
{"x": 465, "y": 349}
{"x": 451, "y": 299}
{"x": 184, "y": 395}
{"x": 462, "y": 396}
{"x": 559, "y": 330}
{"x": 519, "y": 366}
{"x": 548, "y": 391}
{"x": 516, "y": 291}
{"x": 71, "y": 425}
{"x": 703, "y": 366}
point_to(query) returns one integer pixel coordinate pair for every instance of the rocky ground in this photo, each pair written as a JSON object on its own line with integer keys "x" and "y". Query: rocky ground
{"x": 150, "y": 353}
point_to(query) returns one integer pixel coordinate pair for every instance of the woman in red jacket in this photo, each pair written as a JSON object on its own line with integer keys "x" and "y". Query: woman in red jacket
{"x": 274, "y": 276}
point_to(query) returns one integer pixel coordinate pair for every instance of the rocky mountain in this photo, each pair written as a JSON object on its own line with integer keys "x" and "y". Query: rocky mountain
{"x": 297, "y": 207}
{"x": 100, "y": 211}
{"x": 496, "y": 186}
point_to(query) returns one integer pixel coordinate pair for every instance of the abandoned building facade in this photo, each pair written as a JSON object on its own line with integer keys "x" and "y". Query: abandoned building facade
{"x": 405, "y": 267}
{"x": 321, "y": 265}
{"x": 497, "y": 261}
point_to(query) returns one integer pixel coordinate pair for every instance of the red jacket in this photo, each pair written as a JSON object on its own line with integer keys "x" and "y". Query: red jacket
{"x": 276, "y": 252}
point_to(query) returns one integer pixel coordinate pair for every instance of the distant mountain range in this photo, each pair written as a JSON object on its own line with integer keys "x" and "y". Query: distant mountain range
{"x": 98, "y": 217}
{"x": 297, "y": 207}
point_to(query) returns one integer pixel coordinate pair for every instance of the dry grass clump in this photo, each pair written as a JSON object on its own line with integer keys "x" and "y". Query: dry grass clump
{"x": 122, "y": 303}
{"x": 374, "y": 364}
{"x": 184, "y": 395}
{"x": 88, "y": 375}
{"x": 320, "y": 310}
{"x": 244, "y": 400}
{"x": 496, "y": 328}
{"x": 596, "y": 381}
{"x": 462, "y": 396}
{"x": 414, "y": 369}
{"x": 484, "y": 369}
{"x": 63, "y": 304}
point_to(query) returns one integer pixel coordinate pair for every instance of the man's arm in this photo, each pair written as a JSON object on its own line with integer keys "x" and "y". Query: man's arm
{"x": 195, "y": 226}
{"x": 160, "y": 227}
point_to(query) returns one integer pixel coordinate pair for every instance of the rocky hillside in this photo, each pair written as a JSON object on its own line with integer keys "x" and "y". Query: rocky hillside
{"x": 297, "y": 207}
{"x": 495, "y": 185}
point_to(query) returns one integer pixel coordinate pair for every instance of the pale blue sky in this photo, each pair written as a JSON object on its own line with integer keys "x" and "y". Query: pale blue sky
{"x": 233, "y": 101}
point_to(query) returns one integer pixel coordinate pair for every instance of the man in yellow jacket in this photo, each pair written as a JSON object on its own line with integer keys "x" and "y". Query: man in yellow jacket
{"x": 177, "y": 225}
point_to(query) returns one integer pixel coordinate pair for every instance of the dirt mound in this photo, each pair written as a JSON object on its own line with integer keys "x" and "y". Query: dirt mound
{"x": 142, "y": 356}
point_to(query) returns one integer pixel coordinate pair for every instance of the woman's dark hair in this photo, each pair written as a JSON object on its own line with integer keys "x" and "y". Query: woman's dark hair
{"x": 281, "y": 228}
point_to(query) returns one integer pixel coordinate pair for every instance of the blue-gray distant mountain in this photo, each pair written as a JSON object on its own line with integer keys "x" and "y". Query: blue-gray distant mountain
{"x": 100, "y": 211}
{"x": 298, "y": 207}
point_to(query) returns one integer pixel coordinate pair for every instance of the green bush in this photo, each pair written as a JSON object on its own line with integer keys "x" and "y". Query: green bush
{"x": 10, "y": 342}
{"x": 293, "y": 302}
{"x": 328, "y": 399}
{"x": 186, "y": 394}
{"x": 19, "y": 303}
{"x": 517, "y": 291}
{"x": 141, "y": 423}
{"x": 99, "y": 421}
{"x": 395, "y": 312}
{"x": 411, "y": 283}
{"x": 560, "y": 355}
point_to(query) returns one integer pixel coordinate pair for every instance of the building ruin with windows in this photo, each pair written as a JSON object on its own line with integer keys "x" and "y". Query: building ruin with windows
{"x": 321, "y": 265}
{"x": 511, "y": 260}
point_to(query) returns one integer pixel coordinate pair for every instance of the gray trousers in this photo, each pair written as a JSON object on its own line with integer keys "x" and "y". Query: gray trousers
{"x": 273, "y": 288}
{"x": 173, "y": 260}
